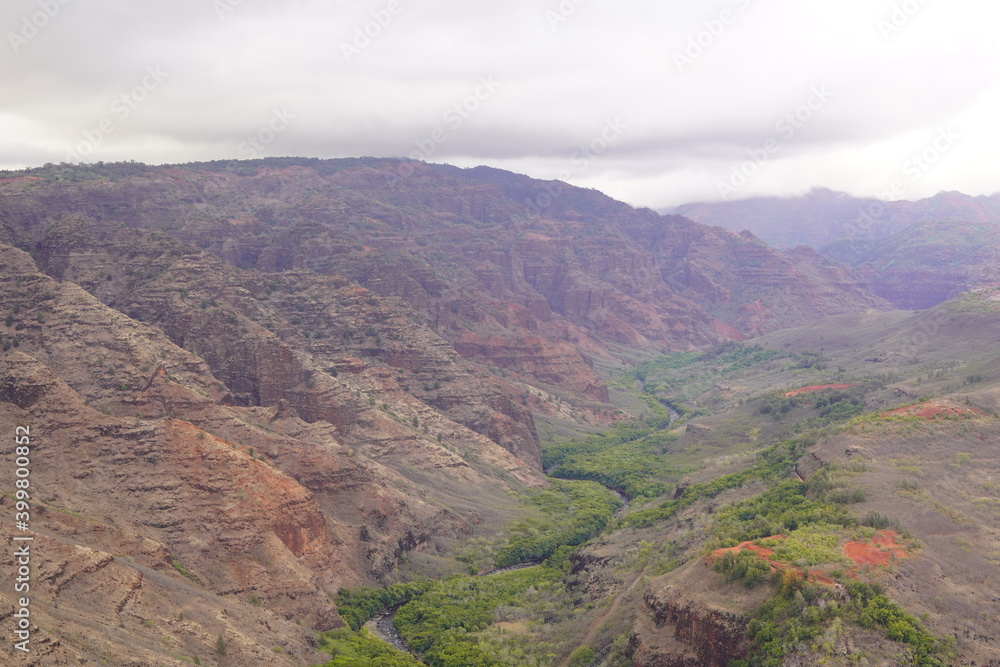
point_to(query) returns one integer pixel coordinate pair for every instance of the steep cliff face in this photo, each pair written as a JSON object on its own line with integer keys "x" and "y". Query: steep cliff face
{"x": 196, "y": 518}
{"x": 286, "y": 336}
{"x": 685, "y": 635}
{"x": 196, "y": 508}
{"x": 689, "y": 620}
{"x": 533, "y": 277}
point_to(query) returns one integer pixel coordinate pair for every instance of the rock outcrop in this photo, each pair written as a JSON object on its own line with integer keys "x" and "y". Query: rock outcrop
{"x": 689, "y": 620}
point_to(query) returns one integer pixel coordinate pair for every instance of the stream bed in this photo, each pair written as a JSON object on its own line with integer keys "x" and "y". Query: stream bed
{"x": 383, "y": 625}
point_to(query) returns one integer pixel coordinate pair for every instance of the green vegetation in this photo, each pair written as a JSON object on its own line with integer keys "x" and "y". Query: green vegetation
{"x": 773, "y": 463}
{"x": 627, "y": 458}
{"x": 508, "y": 618}
{"x": 778, "y": 511}
{"x": 746, "y": 567}
{"x": 801, "y": 613}
{"x": 180, "y": 568}
{"x": 975, "y": 301}
{"x": 581, "y": 657}
{"x": 810, "y": 545}
{"x": 686, "y": 375}
{"x": 69, "y": 173}
{"x": 832, "y": 405}
{"x": 573, "y": 513}
{"x": 361, "y": 649}
{"x": 359, "y": 605}
{"x": 454, "y": 621}
{"x": 450, "y": 625}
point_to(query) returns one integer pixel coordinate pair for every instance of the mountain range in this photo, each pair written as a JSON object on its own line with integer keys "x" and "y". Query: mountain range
{"x": 913, "y": 254}
{"x": 823, "y": 216}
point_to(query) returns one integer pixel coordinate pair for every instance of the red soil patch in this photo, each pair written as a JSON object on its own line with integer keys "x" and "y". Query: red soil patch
{"x": 745, "y": 546}
{"x": 880, "y": 551}
{"x": 766, "y": 554}
{"x": 934, "y": 409}
{"x": 817, "y": 388}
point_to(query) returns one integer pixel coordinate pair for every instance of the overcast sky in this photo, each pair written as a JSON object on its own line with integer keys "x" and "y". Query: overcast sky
{"x": 657, "y": 103}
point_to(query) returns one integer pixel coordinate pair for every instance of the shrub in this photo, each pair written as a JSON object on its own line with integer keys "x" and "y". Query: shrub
{"x": 581, "y": 657}
{"x": 746, "y": 567}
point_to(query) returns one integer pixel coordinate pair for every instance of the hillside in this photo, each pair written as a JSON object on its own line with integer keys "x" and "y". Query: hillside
{"x": 824, "y": 495}
{"x": 230, "y": 481}
{"x": 822, "y": 216}
{"x": 537, "y": 278}
{"x": 927, "y": 262}
{"x": 893, "y": 416}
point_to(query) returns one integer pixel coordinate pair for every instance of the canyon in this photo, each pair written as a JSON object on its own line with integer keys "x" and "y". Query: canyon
{"x": 252, "y": 384}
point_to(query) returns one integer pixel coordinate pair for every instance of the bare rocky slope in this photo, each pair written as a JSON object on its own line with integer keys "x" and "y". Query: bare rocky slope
{"x": 249, "y": 504}
{"x": 538, "y": 278}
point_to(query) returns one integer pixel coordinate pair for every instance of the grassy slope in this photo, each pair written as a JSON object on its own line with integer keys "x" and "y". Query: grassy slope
{"x": 940, "y": 481}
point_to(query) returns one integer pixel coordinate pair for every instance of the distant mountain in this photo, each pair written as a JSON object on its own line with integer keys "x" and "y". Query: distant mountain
{"x": 823, "y": 216}
{"x": 927, "y": 262}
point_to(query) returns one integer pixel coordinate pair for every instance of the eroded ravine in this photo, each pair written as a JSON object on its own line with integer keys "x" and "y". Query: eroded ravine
{"x": 383, "y": 625}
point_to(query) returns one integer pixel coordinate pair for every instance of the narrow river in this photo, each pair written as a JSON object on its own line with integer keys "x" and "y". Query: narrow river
{"x": 383, "y": 625}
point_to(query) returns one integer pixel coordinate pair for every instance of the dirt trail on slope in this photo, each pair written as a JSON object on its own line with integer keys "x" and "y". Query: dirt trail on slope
{"x": 596, "y": 624}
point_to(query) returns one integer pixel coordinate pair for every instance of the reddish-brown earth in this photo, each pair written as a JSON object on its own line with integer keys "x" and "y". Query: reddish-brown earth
{"x": 936, "y": 409}
{"x": 765, "y": 554}
{"x": 882, "y": 550}
{"x": 254, "y": 384}
{"x": 222, "y": 476}
{"x": 749, "y": 545}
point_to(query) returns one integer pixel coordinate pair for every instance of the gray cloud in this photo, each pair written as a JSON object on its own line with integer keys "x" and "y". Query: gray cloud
{"x": 699, "y": 88}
